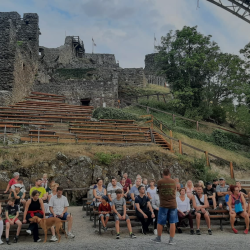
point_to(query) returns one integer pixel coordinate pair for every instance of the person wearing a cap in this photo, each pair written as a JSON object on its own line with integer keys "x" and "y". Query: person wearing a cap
{"x": 222, "y": 191}
{"x": 104, "y": 210}
{"x": 210, "y": 192}
{"x": 12, "y": 181}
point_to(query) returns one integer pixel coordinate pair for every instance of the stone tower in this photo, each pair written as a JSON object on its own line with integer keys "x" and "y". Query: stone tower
{"x": 19, "y": 53}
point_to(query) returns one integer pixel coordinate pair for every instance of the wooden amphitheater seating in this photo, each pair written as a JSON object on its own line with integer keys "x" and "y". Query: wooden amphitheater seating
{"x": 115, "y": 120}
{"x": 46, "y": 94}
{"x": 77, "y": 130}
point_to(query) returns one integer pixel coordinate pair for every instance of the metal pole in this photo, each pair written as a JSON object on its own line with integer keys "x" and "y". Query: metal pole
{"x": 171, "y": 141}
{"x": 4, "y": 134}
{"x": 38, "y": 138}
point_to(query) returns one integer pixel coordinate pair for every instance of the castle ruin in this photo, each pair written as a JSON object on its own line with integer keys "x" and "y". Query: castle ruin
{"x": 83, "y": 78}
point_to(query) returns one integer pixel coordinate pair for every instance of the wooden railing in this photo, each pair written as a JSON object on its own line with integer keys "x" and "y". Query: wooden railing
{"x": 174, "y": 116}
{"x": 160, "y": 125}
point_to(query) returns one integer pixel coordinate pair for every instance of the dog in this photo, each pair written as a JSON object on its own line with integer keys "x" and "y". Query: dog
{"x": 46, "y": 224}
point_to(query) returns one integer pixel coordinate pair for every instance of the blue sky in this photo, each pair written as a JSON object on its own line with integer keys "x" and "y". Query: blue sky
{"x": 126, "y": 27}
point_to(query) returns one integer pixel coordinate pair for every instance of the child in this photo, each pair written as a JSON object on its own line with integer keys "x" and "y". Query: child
{"x": 17, "y": 195}
{"x": 11, "y": 215}
{"x": 45, "y": 181}
{"x": 104, "y": 210}
{"x": 20, "y": 182}
{"x": 1, "y": 225}
{"x": 119, "y": 208}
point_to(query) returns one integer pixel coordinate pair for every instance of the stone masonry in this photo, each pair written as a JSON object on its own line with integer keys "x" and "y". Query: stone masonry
{"x": 19, "y": 41}
{"x": 152, "y": 71}
{"x": 68, "y": 70}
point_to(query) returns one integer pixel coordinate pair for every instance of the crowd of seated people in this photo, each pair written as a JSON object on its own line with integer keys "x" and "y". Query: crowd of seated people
{"x": 45, "y": 200}
{"x": 193, "y": 202}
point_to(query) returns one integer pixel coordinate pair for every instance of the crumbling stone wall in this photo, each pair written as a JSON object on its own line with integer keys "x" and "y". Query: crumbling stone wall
{"x": 132, "y": 76}
{"x": 100, "y": 93}
{"x": 19, "y": 38}
{"x": 152, "y": 71}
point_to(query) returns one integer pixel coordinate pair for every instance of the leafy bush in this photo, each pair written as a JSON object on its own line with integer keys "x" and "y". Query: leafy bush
{"x": 114, "y": 113}
{"x": 221, "y": 139}
{"x": 106, "y": 158}
{"x": 218, "y": 114}
{"x": 203, "y": 172}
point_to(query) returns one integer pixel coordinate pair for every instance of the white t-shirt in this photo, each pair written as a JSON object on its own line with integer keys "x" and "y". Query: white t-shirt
{"x": 152, "y": 192}
{"x": 183, "y": 206}
{"x": 58, "y": 204}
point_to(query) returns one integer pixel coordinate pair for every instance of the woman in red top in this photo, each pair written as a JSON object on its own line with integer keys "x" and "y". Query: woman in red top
{"x": 125, "y": 187}
{"x": 237, "y": 198}
{"x": 12, "y": 181}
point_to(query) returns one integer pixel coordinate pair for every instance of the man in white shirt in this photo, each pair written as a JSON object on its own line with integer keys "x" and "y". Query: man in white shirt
{"x": 58, "y": 206}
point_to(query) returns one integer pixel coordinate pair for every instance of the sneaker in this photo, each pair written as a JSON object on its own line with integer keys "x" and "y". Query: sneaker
{"x": 53, "y": 238}
{"x": 142, "y": 230}
{"x": 38, "y": 240}
{"x": 118, "y": 236}
{"x": 71, "y": 235}
{"x": 28, "y": 232}
{"x": 15, "y": 239}
{"x": 1, "y": 242}
{"x": 155, "y": 232}
{"x": 7, "y": 242}
{"x": 156, "y": 240}
{"x": 192, "y": 231}
{"x": 171, "y": 242}
{"x": 198, "y": 232}
{"x": 209, "y": 231}
{"x": 179, "y": 230}
{"x": 132, "y": 236}
{"x": 105, "y": 229}
{"x": 235, "y": 231}
{"x": 246, "y": 231}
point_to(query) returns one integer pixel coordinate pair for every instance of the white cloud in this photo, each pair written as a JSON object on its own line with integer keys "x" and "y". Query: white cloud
{"x": 126, "y": 28}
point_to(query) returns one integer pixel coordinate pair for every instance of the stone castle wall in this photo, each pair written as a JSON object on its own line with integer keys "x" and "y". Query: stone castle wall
{"x": 152, "y": 71}
{"x": 19, "y": 38}
{"x": 100, "y": 93}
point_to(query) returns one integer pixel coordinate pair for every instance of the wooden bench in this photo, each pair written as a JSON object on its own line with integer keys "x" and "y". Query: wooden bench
{"x": 104, "y": 123}
{"x": 76, "y": 130}
{"x": 43, "y": 135}
{"x": 46, "y": 94}
{"x": 115, "y": 120}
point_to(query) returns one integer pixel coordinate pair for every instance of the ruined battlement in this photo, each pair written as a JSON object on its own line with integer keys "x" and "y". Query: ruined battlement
{"x": 19, "y": 42}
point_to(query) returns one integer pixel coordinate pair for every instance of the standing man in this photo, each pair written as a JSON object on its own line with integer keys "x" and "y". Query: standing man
{"x": 222, "y": 191}
{"x": 168, "y": 206}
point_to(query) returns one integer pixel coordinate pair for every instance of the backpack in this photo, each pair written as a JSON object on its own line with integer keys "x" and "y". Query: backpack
{"x": 237, "y": 205}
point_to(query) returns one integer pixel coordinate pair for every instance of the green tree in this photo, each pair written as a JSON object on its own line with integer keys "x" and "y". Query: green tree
{"x": 186, "y": 58}
{"x": 201, "y": 77}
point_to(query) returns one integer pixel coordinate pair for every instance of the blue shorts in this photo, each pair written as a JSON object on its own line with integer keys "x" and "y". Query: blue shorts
{"x": 167, "y": 214}
{"x": 62, "y": 218}
{"x": 210, "y": 202}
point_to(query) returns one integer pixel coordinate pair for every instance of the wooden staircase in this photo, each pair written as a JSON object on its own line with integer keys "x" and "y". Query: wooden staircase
{"x": 159, "y": 139}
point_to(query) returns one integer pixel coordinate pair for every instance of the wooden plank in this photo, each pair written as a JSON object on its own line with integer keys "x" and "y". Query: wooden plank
{"x": 47, "y": 94}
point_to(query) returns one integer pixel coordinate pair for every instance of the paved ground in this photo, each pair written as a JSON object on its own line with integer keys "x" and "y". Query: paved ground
{"x": 87, "y": 238}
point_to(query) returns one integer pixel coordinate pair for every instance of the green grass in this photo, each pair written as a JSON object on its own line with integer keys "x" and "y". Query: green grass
{"x": 201, "y": 140}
